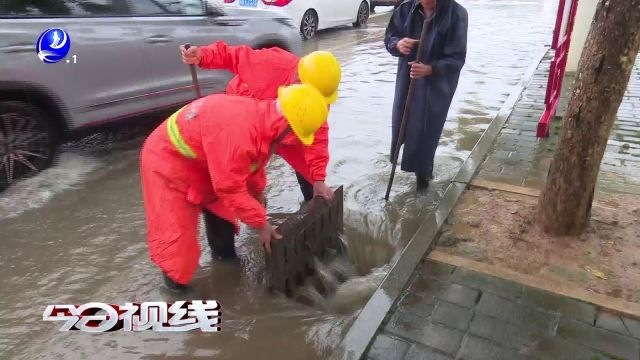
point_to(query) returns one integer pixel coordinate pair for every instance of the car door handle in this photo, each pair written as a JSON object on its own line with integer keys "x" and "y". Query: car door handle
{"x": 18, "y": 48}
{"x": 228, "y": 22}
{"x": 158, "y": 39}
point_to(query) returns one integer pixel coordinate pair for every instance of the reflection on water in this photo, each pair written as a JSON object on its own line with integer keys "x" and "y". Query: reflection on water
{"x": 76, "y": 233}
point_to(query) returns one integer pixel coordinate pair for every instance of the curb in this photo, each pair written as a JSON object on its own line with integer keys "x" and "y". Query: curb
{"x": 603, "y": 302}
{"x": 360, "y": 335}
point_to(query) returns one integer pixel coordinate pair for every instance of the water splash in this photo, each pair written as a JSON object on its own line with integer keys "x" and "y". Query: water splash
{"x": 337, "y": 289}
{"x": 69, "y": 171}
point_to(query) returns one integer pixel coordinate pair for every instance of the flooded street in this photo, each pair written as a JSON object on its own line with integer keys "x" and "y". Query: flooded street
{"x": 76, "y": 232}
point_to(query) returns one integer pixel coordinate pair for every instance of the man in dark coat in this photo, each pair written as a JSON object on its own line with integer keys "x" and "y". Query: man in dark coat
{"x": 444, "y": 54}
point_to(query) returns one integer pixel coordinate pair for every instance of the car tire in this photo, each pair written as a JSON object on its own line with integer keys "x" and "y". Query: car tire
{"x": 27, "y": 141}
{"x": 309, "y": 24}
{"x": 363, "y": 15}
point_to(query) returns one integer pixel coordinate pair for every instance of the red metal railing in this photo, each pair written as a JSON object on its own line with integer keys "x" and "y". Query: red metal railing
{"x": 561, "y": 42}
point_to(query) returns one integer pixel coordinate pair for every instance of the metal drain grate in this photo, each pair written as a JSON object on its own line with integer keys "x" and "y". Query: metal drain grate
{"x": 311, "y": 232}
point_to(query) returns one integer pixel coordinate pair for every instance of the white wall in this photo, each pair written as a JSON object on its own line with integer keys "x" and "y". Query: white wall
{"x": 584, "y": 16}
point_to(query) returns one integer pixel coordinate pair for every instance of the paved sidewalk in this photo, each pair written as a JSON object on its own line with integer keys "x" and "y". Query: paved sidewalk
{"x": 453, "y": 313}
{"x": 519, "y": 158}
{"x": 447, "y": 312}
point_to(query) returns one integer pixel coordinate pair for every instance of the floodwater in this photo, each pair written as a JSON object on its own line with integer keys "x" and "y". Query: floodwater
{"x": 76, "y": 233}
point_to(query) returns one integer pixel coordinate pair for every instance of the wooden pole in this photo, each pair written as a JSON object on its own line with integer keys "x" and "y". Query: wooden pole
{"x": 194, "y": 76}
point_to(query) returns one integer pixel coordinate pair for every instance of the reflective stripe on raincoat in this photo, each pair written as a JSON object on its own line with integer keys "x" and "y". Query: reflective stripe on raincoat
{"x": 233, "y": 134}
{"x": 176, "y": 138}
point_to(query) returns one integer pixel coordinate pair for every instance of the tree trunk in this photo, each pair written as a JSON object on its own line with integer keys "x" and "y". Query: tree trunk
{"x": 601, "y": 81}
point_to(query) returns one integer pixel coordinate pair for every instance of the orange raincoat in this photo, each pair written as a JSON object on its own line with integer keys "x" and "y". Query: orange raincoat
{"x": 212, "y": 153}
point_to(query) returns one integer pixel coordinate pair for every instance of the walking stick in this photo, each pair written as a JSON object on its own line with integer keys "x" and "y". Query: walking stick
{"x": 194, "y": 76}
{"x": 407, "y": 106}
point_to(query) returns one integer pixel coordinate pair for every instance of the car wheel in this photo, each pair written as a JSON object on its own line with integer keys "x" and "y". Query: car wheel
{"x": 363, "y": 15}
{"x": 27, "y": 141}
{"x": 309, "y": 25}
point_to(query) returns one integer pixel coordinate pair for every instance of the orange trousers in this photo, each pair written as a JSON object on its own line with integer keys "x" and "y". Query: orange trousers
{"x": 173, "y": 191}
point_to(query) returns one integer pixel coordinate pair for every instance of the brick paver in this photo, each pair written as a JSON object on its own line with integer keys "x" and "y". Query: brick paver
{"x": 555, "y": 348}
{"x": 609, "y": 342}
{"x": 388, "y": 348}
{"x": 418, "y": 352}
{"x": 489, "y": 284}
{"x": 517, "y": 313}
{"x": 570, "y": 308}
{"x": 611, "y": 322}
{"x": 475, "y": 348}
{"x": 448, "y": 312}
{"x": 633, "y": 326}
{"x": 519, "y": 158}
{"x": 451, "y": 315}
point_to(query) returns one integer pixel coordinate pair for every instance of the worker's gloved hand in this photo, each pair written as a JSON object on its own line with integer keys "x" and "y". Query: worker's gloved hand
{"x": 191, "y": 56}
{"x": 406, "y": 45}
{"x": 419, "y": 70}
{"x": 266, "y": 234}
{"x": 322, "y": 190}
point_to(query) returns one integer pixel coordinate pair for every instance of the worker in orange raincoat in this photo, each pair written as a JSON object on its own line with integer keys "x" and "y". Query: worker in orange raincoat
{"x": 212, "y": 154}
{"x": 259, "y": 74}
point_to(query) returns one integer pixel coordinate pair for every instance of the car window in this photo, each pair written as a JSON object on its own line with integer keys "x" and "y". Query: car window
{"x": 63, "y": 8}
{"x": 169, "y": 7}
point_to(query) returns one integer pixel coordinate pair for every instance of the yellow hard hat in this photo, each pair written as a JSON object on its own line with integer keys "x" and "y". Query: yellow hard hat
{"x": 321, "y": 70}
{"x": 305, "y": 109}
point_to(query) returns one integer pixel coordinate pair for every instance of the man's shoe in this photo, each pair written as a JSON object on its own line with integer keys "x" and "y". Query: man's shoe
{"x": 422, "y": 181}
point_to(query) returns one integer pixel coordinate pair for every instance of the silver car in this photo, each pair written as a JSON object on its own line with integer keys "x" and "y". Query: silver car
{"x": 123, "y": 61}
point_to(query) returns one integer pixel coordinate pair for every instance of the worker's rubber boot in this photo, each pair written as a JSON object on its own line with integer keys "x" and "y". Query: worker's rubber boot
{"x": 220, "y": 235}
{"x": 305, "y": 187}
{"x": 422, "y": 181}
{"x": 179, "y": 289}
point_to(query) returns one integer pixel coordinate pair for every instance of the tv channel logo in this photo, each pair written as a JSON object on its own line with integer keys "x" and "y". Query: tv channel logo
{"x": 53, "y": 45}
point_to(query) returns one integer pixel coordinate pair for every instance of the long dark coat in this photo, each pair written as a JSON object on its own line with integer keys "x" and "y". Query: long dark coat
{"x": 445, "y": 49}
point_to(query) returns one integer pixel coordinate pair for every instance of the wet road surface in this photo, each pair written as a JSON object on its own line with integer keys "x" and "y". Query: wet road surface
{"x": 76, "y": 233}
